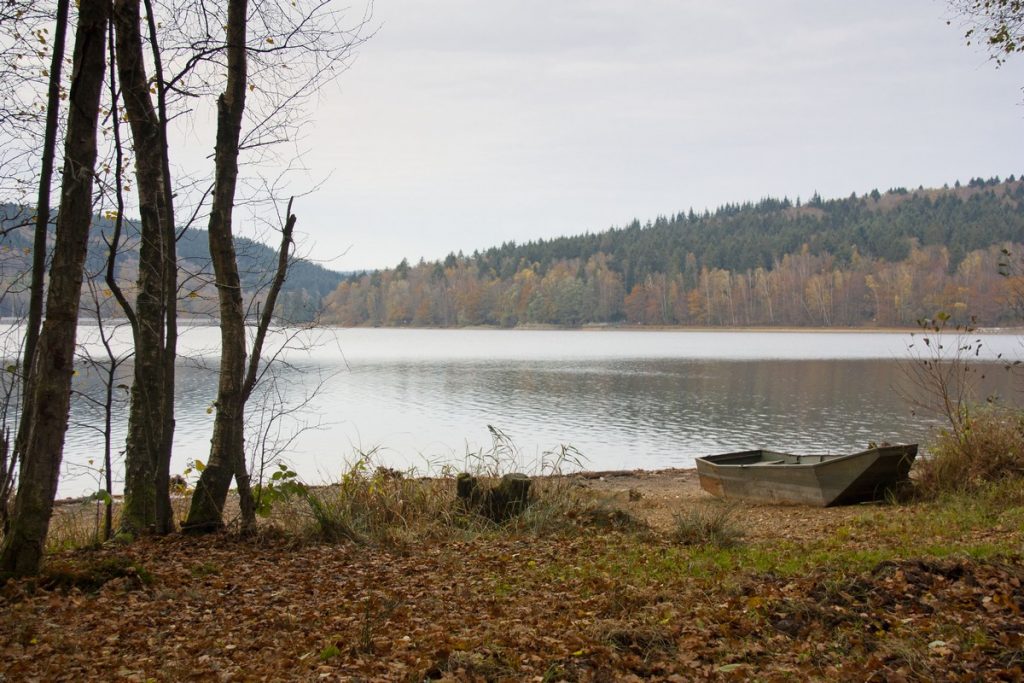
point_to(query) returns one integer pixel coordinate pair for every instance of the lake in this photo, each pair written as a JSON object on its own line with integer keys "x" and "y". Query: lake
{"x": 624, "y": 399}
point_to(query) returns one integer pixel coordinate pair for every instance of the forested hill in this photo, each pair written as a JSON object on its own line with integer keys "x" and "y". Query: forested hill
{"x": 876, "y": 259}
{"x": 300, "y": 298}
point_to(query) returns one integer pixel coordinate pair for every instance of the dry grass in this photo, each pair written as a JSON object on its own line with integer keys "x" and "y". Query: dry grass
{"x": 374, "y": 504}
{"x": 76, "y": 524}
{"x": 79, "y": 523}
{"x": 989, "y": 449}
{"x": 710, "y": 524}
{"x": 370, "y": 505}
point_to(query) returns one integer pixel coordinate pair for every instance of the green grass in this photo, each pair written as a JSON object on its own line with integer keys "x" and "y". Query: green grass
{"x": 963, "y": 525}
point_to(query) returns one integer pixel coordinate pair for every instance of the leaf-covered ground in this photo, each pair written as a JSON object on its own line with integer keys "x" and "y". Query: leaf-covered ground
{"x": 917, "y": 592}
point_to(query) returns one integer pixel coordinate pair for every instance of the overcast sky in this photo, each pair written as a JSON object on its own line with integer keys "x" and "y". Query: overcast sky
{"x": 463, "y": 124}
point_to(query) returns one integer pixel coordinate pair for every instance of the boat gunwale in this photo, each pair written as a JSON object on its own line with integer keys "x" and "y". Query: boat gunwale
{"x": 837, "y": 480}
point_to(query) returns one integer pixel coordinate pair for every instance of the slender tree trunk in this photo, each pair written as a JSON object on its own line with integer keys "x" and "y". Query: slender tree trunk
{"x": 50, "y": 382}
{"x": 111, "y": 274}
{"x": 164, "y": 512}
{"x": 36, "y": 288}
{"x": 146, "y": 502}
{"x": 108, "y": 513}
{"x": 108, "y": 410}
{"x": 227, "y": 452}
{"x": 35, "y": 306}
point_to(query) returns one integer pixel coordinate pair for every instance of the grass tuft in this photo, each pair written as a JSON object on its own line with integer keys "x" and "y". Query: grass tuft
{"x": 603, "y": 514}
{"x": 485, "y": 664}
{"x": 639, "y": 638}
{"x": 710, "y": 524}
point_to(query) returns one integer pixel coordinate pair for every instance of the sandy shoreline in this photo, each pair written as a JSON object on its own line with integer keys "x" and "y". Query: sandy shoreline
{"x": 657, "y": 496}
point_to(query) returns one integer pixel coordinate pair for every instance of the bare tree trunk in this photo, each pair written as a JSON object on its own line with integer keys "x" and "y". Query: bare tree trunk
{"x": 108, "y": 405}
{"x": 111, "y": 277}
{"x": 227, "y": 451}
{"x": 164, "y": 512}
{"x": 50, "y": 383}
{"x": 145, "y": 498}
{"x": 35, "y": 306}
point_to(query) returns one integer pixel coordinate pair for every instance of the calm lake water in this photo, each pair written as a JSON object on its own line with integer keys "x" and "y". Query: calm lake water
{"x": 624, "y": 399}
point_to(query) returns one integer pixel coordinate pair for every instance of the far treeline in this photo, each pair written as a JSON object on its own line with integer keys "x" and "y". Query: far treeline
{"x": 878, "y": 259}
{"x": 299, "y": 300}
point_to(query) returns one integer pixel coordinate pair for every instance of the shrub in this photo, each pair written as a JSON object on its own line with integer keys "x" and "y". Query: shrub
{"x": 990, "y": 448}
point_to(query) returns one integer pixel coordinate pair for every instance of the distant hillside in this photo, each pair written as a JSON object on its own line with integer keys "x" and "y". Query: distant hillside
{"x": 739, "y": 237}
{"x": 876, "y": 259}
{"x": 300, "y": 299}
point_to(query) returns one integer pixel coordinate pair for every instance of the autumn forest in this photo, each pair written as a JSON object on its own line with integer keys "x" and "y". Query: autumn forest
{"x": 873, "y": 260}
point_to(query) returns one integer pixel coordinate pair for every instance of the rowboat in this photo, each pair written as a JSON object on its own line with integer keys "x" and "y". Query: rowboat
{"x": 820, "y": 480}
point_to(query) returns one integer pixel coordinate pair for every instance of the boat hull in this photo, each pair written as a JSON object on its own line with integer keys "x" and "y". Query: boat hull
{"x": 818, "y": 480}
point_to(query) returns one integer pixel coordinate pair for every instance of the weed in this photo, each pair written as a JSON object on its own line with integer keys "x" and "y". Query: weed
{"x": 282, "y": 485}
{"x": 375, "y": 504}
{"x": 329, "y": 652}
{"x": 504, "y": 457}
{"x": 204, "y": 569}
{"x": 557, "y": 504}
{"x": 375, "y": 615}
{"x": 555, "y": 501}
{"x": 378, "y": 505}
{"x": 74, "y": 524}
{"x": 124, "y": 538}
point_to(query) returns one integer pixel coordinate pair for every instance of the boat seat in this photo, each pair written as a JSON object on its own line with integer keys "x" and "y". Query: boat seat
{"x": 768, "y": 462}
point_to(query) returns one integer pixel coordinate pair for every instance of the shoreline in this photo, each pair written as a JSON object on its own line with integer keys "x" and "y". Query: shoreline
{"x": 628, "y": 327}
{"x": 589, "y": 475}
{"x": 598, "y": 327}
